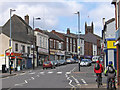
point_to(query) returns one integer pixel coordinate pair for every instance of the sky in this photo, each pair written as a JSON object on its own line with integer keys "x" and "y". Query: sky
{"x": 60, "y": 14}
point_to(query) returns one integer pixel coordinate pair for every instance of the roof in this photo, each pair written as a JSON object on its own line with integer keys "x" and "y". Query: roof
{"x": 89, "y": 37}
{"x": 109, "y": 21}
{"x": 53, "y": 36}
{"x": 81, "y": 36}
{"x": 19, "y": 29}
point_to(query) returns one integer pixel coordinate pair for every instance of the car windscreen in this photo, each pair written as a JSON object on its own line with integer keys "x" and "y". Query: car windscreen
{"x": 46, "y": 62}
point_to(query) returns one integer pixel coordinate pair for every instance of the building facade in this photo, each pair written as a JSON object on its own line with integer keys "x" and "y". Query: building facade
{"x": 92, "y": 46}
{"x": 109, "y": 40}
{"x": 56, "y": 48}
{"x": 21, "y": 44}
{"x": 42, "y": 50}
{"x": 117, "y": 25}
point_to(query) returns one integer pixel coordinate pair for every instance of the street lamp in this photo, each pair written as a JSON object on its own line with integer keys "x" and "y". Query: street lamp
{"x": 34, "y": 41}
{"x": 11, "y": 10}
{"x": 78, "y": 36}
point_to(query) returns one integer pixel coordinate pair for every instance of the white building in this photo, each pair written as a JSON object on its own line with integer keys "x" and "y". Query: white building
{"x": 21, "y": 35}
{"x": 42, "y": 46}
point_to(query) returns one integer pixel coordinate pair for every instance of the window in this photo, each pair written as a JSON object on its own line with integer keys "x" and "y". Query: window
{"x": 51, "y": 43}
{"x": 54, "y": 43}
{"x": 81, "y": 41}
{"x": 70, "y": 40}
{"x": 67, "y": 46}
{"x": 59, "y": 45}
{"x": 28, "y": 50}
{"x": 16, "y": 47}
{"x": 81, "y": 50}
{"x": 40, "y": 41}
{"x": 23, "y": 48}
{"x": 43, "y": 42}
{"x": 46, "y": 43}
{"x": 73, "y": 41}
{"x": 71, "y": 47}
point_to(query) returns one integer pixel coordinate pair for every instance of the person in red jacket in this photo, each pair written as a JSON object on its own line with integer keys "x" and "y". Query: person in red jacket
{"x": 98, "y": 69}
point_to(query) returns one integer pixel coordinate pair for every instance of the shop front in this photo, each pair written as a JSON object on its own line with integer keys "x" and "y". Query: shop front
{"x": 60, "y": 54}
{"x": 68, "y": 55}
{"x": 42, "y": 56}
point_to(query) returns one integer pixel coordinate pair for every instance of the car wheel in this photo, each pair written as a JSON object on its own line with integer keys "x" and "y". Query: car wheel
{"x": 43, "y": 68}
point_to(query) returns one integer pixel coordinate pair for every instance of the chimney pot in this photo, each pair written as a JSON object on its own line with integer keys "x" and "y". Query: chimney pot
{"x": 27, "y": 19}
{"x": 68, "y": 30}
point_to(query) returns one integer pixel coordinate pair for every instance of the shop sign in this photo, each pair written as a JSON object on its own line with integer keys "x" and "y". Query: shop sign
{"x": 111, "y": 44}
{"x": 42, "y": 50}
{"x": 61, "y": 53}
{"x": 13, "y": 54}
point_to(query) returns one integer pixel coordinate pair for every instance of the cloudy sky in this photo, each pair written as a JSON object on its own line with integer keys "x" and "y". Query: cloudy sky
{"x": 59, "y": 14}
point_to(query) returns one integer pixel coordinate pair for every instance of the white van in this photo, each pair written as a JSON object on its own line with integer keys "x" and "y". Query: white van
{"x": 95, "y": 58}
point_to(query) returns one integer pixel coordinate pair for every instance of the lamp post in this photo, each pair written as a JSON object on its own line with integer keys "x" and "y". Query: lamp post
{"x": 11, "y": 10}
{"x": 78, "y": 36}
{"x": 34, "y": 41}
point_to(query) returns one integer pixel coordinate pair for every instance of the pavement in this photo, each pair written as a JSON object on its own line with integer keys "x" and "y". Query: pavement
{"x": 4, "y": 75}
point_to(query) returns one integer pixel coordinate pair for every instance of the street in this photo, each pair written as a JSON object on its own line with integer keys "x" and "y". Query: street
{"x": 66, "y": 76}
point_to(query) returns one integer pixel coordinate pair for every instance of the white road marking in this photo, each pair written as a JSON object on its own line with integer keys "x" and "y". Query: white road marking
{"x": 73, "y": 69}
{"x": 70, "y": 82}
{"x": 32, "y": 73}
{"x": 68, "y": 72}
{"x": 26, "y": 81}
{"x": 32, "y": 78}
{"x": 38, "y": 76}
{"x": 20, "y": 84}
{"x": 41, "y": 72}
{"x": 59, "y": 72}
{"x": 50, "y": 72}
{"x": 76, "y": 80}
{"x": 84, "y": 81}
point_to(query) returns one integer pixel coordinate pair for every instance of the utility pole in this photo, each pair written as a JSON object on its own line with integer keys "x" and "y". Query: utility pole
{"x": 78, "y": 38}
{"x": 11, "y": 10}
{"x": 34, "y": 42}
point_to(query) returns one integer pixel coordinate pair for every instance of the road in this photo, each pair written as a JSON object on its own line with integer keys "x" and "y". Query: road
{"x": 66, "y": 76}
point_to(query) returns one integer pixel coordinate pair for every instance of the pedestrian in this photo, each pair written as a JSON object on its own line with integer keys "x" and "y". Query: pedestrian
{"x": 98, "y": 69}
{"x": 110, "y": 72}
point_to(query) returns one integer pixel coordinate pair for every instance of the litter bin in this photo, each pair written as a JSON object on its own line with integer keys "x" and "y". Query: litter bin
{"x": 4, "y": 69}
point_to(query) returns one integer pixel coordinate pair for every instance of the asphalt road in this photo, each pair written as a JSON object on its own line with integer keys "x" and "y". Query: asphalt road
{"x": 66, "y": 76}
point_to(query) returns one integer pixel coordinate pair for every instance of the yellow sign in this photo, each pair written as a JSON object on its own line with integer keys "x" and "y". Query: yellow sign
{"x": 1, "y": 55}
{"x": 78, "y": 47}
{"x": 111, "y": 44}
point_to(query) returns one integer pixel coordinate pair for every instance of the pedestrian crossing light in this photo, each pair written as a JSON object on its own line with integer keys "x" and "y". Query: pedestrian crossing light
{"x": 10, "y": 47}
{"x": 78, "y": 47}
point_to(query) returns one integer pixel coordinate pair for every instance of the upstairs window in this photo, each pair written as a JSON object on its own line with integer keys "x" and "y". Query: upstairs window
{"x": 16, "y": 47}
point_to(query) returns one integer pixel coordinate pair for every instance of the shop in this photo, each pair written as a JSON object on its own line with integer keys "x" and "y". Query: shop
{"x": 68, "y": 55}
{"x": 42, "y": 56}
{"x": 110, "y": 52}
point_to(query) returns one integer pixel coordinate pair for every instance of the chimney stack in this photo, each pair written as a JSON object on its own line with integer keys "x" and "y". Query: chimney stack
{"x": 27, "y": 19}
{"x": 68, "y": 30}
{"x": 53, "y": 31}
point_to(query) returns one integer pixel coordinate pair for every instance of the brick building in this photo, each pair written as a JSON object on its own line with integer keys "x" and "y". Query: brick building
{"x": 92, "y": 42}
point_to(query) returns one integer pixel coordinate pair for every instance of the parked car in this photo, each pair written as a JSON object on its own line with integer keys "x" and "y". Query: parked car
{"x": 63, "y": 62}
{"x": 76, "y": 60}
{"x": 70, "y": 60}
{"x": 58, "y": 62}
{"x": 48, "y": 64}
{"x": 55, "y": 62}
{"x": 95, "y": 58}
{"x": 85, "y": 62}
